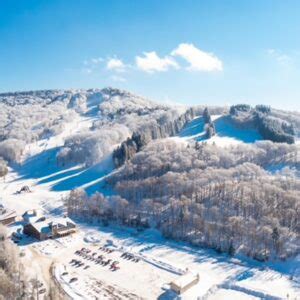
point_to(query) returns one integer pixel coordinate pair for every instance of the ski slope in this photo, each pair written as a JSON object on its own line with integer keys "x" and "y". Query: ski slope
{"x": 49, "y": 182}
{"x": 221, "y": 277}
{"x": 226, "y": 132}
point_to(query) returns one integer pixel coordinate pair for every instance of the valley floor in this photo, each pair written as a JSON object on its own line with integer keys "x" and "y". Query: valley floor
{"x": 160, "y": 260}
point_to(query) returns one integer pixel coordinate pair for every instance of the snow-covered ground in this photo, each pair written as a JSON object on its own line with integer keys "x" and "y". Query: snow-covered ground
{"x": 226, "y": 132}
{"x": 161, "y": 261}
{"x": 48, "y": 182}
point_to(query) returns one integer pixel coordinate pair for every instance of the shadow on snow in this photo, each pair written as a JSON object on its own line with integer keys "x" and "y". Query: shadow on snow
{"x": 224, "y": 128}
{"x": 43, "y": 166}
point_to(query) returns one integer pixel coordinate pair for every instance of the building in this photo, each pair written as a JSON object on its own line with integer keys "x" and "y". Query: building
{"x": 39, "y": 230}
{"x": 33, "y": 216}
{"x": 43, "y": 228}
{"x": 184, "y": 282}
{"x": 7, "y": 216}
{"x": 62, "y": 227}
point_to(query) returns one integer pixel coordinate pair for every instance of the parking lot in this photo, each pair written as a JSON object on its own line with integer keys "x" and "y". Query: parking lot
{"x": 99, "y": 258}
{"x": 96, "y": 270}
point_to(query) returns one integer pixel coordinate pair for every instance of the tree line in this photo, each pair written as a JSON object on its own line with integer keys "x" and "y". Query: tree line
{"x": 223, "y": 198}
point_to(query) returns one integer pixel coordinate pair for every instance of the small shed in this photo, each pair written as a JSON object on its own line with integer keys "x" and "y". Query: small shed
{"x": 184, "y": 282}
{"x": 7, "y": 216}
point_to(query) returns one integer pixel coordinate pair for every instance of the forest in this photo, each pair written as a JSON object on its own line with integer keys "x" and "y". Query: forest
{"x": 15, "y": 281}
{"x": 225, "y": 199}
{"x": 272, "y": 125}
{"x": 241, "y": 198}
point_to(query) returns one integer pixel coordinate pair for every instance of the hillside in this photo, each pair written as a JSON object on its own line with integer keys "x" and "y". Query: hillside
{"x": 203, "y": 177}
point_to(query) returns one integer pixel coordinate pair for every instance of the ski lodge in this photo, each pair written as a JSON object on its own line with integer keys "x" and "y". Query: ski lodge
{"x": 184, "y": 282}
{"x": 43, "y": 228}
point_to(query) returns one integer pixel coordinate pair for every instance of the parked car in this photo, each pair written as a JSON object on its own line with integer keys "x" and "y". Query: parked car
{"x": 42, "y": 291}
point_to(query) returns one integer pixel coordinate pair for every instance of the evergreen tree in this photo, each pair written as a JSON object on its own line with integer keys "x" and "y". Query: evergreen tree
{"x": 231, "y": 249}
{"x": 206, "y": 116}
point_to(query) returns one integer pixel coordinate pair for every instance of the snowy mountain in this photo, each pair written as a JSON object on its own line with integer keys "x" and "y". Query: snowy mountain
{"x": 212, "y": 177}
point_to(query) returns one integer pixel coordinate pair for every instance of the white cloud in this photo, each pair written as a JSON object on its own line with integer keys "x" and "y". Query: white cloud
{"x": 198, "y": 60}
{"x": 115, "y": 64}
{"x": 91, "y": 64}
{"x": 117, "y": 78}
{"x": 97, "y": 60}
{"x": 151, "y": 62}
{"x": 87, "y": 70}
{"x": 282, "y": 58}
{"x": 93, "y": 61}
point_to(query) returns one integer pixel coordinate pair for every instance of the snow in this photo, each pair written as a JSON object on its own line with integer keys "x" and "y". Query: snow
{"x": 184, "y": 280}
{"x": 6, "y": 213}
{"x": 193, "y": 129}
{"x": 226, "y": 132}
{"x": 48, "y": 182}
{"x": 141, "y": 278}
{"x": 42, "y": 227}
{"x": 61, "y": 221}
{"x": 217, "y": 272}
{"x": 161, "y": 261}
{"x": 226, "y": 128}
{"x": 223, "y": 294}
{"x": 262, "y": 283}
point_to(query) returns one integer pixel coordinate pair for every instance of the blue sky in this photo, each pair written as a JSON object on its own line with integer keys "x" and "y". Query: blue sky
{"x": 191, "y": 52}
